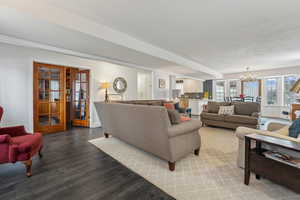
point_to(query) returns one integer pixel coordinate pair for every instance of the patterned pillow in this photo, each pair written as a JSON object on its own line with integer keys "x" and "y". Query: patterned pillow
{"x": 226, "y": 110}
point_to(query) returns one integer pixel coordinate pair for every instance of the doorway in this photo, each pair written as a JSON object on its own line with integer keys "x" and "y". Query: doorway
{"x": 60, "y": 97}
{"x": 144, "y": 85}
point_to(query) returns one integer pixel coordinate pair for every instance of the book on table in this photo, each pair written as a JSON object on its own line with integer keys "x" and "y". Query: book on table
{"x": 284, "y": 158}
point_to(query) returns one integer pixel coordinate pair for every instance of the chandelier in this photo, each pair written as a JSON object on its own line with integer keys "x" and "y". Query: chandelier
{"x": 248, "y": 76}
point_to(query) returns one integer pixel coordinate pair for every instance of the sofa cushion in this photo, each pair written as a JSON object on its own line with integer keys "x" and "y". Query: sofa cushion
{"x": 246, "y": 108}
{"x": 212, "y": 116}
{"x": 283, "y": 131}
{"x": 174, "y": 116}
{"x": 213, "y": 107}
{"x": 243, "y": 119}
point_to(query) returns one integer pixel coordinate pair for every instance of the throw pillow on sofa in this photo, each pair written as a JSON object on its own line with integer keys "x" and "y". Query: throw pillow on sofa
{"x": 213, "y": 107}
{"x": 226, "y": 110}
{"x": 294, "y": 130}
{"x": 170, "y": 106}
{"x": 174, "y": 116}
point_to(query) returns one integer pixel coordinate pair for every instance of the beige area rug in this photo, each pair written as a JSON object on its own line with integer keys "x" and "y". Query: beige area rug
{"x": 211, "y": 176}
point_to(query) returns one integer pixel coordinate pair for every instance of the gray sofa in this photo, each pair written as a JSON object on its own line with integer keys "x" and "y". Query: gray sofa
{"x": 149, "y": 128}
{"x": 245, "y": 114}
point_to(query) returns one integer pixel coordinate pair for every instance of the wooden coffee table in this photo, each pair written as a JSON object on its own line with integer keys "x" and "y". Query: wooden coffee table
{"x": 279, "y": 172}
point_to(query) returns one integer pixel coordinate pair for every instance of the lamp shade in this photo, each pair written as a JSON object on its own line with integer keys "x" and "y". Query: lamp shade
{"x": 104, "y": 85}
{"x": 296, "y": 87}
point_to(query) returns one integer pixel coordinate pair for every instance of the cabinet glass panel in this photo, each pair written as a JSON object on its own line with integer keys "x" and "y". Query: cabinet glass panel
{"x": 44, "y": 84}
{"x": 83, "y": 77}
{"x": 54, "y": 84}
{"x": 55, "y": 96}
{"x": 44, "y": 120}
{"x": 84, "y": 87}
{"x": 55, "y": 119}
{"x": 55, "y": 74}
{"x": 77, "y": 114}
{"x": 44, "y": 73}
{"x": 44, "y": 95}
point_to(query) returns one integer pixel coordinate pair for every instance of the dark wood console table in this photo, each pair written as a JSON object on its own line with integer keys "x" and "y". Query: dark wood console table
{"x": 276, "y": 171}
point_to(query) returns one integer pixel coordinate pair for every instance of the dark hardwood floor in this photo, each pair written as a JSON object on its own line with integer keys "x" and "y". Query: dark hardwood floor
{"x": 72, "y": 168}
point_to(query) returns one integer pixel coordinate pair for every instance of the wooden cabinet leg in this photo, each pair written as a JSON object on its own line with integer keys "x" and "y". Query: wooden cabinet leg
{"x": 247, "y": 163}
{"x": 28, "y": 164}
{"x": 106, "y": 135}
{"x": 196, "y": 152}
{"x": 171, "y": 166}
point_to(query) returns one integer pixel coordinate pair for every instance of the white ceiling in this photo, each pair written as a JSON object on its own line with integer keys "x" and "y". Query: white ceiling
{"x": 196, "y": 37}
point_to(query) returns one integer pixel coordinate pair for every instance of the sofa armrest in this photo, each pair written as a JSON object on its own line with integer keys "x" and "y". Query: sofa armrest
{"x": 13, "y": 131}
{"x": 241, "y": 132}
{"x": 4, "y": 139}
{"x": 184, "y": 128}
{"x": 255, "y": 114}
{"x": 275, "y": 126}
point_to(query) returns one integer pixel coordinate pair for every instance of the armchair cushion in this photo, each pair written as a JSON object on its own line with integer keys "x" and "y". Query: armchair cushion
{"x": 28, "y": 142}
{"x": 4, "y": 139}
{"x": 13, "y": 131}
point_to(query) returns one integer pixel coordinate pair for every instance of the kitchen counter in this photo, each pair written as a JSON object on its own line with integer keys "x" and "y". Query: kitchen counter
{"x": 197, "y": 105}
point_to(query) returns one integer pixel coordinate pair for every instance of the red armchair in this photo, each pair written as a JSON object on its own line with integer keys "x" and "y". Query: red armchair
{"x": 18, "y": 145}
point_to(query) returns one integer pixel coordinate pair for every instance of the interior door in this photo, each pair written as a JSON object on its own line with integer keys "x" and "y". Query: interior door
{"x": 81, "y": 100}
{"x": 49, "y": 98}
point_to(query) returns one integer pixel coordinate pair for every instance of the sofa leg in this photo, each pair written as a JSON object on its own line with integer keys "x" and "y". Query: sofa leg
{"x": 171, "y": 166}
{"x": 40, "y": 153}
{"x": 203, "y": 124}
{"x": 106, "y": 135}
{"x": 196, "y": 152}
{"x": 28, "y": 164}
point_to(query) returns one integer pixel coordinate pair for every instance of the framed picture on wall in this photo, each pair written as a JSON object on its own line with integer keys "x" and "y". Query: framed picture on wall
{"x": 161, "y": 83}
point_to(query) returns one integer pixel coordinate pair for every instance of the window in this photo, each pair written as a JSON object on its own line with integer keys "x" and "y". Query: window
{"x": 289, "y": 97}
{"x": 233, "y": 89}
{"x": 251, "y": 88}
{"x": 220, "y": 90}
{"x": 271, "y": 91}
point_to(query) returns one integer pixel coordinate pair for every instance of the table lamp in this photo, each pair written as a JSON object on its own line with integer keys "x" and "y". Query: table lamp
{"x": 105, "y": 85}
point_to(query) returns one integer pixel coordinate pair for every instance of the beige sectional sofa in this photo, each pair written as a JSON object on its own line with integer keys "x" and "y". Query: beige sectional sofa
{"x": 245, "y": 114}
{"x": 149, "y": 128}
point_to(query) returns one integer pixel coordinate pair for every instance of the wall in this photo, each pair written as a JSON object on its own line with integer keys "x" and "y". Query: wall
{"x": 16, "y": 82}
{"x": 161, "y": 93}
